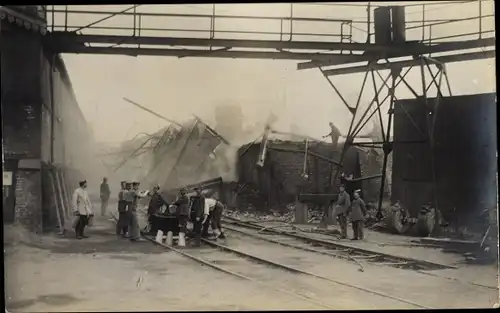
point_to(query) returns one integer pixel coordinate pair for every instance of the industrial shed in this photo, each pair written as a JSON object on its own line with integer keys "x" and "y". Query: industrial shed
{"x": 281, "y": 178}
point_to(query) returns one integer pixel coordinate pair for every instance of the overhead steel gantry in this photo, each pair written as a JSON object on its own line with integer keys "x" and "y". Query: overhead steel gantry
{"x": 344, "y": 41}
{"x": 348, "y": 43}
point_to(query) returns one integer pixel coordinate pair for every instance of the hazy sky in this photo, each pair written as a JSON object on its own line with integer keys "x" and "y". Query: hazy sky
{"x": 178, "y": 87}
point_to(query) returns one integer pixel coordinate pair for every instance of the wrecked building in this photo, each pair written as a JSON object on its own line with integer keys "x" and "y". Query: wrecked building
{"x": 173, "y": 156}
{"x": 282, "y": 177}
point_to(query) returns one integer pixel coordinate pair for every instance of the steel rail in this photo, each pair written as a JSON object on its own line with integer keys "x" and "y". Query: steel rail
{"x": 280, "y": 266}
{"x": 299, "y": 271}
{"x": 349, "y": 258}
{"x": 226, "y": 271}
{"x": 342, "y": 246}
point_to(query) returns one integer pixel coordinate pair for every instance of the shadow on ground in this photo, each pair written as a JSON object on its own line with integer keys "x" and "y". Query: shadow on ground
{"x": 56, "y": 300}
{"x": 102, "y": 240}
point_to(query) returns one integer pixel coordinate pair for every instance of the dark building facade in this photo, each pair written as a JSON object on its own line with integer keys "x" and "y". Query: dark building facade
{"x": 42, "y": 124}
{"x": 464, "y": 156}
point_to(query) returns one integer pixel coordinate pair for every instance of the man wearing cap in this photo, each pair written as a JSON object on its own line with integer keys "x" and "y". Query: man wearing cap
{"x": 122, "y": 224}
{"x": 198, "y": 214}
{"x": 341, "y": 206}
{"x": 105, "y": 192}
{"x": 357, "y": 213}
{"x": 182, "y": 211}
{"x": 134, "y": 221}
{"x": 82, "y": 208}
{"x": 155, "y": 204}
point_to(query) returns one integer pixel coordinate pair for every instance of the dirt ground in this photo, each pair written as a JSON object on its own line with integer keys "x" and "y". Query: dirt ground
{"x": 104, "y": 273}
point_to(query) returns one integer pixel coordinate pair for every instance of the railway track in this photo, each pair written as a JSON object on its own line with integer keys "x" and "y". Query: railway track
{"x": 302, "y": 284}
{"x": 353, "y": 254}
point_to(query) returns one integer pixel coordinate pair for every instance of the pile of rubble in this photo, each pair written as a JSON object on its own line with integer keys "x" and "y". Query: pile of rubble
{"x": 259, "y": 216}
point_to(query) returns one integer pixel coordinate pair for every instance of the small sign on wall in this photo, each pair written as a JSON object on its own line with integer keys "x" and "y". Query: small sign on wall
{"x": 7, "y": 178}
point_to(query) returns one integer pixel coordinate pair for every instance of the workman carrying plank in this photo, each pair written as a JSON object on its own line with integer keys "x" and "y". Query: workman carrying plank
{"x": 214, "y": 208}
{"x": 198, "y": 216}
{"x": 122, "y": 224}
{"x": 341, "y": 206}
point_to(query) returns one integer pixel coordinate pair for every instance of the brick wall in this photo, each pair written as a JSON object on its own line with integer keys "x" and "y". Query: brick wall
{"x": 28, "y": 191}
{"x": 21, "y": 107}
{"x": 29, "y": 109}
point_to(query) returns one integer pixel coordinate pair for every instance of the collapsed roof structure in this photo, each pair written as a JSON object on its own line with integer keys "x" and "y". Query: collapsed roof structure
{"x": 176, "y": 155}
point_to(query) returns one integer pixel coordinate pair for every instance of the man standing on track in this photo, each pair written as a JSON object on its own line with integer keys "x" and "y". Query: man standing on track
{"x": 82, "y": 208}
{"x": 343, "y": 203}
{"x": 105, "y": 192}
{"x": 182, "y": 211}
{"x": 122, "y": 224}
{"x": 198, "y": 214}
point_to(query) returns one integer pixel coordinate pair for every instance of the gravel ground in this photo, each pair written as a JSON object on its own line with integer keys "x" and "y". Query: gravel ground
{"x": 104, "y": 273}
{"x": 430, "y": 291}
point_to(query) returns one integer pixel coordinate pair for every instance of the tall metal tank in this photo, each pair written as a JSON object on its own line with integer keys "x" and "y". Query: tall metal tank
{"x": 464, "y": 157}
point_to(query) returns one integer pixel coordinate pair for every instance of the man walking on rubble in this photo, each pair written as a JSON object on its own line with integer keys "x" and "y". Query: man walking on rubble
{"x": 122, "y": 224}
{"x": 341, "y": 206}
{"x": 214, "y": 209}
{"x": 358, "y": 213}
{"x": 82, "y": 208}
{"x": 334, "y": 134}
{"x": 182, "y": 211}
{"x": 105, "y": 192}
{"x": 198, "y": 216}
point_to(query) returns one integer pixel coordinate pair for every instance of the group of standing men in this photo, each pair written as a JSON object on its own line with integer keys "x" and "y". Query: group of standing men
{"x": 198, "y": 209}
{"x": 128, "y": 223}
{"x": 356, "y": 210}
{"x": 201, "y": 211}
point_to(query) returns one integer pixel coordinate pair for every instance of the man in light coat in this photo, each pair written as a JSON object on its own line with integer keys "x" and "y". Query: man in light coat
{"x": 134, "y": 196}
{"x": 82, "y": 208}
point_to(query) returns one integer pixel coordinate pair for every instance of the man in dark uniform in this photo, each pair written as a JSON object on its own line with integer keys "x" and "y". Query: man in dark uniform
{"x": 182, "y": 211}
{"x": 341, "y": 206}
{"x": 128, "y": 198}
{"x": 357, "y": 213}
{"x": 122, "y": 224}
{"x": 105, "y": 192}
{"x": 155, "y": 203}
{"x": 198, "y": 215}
